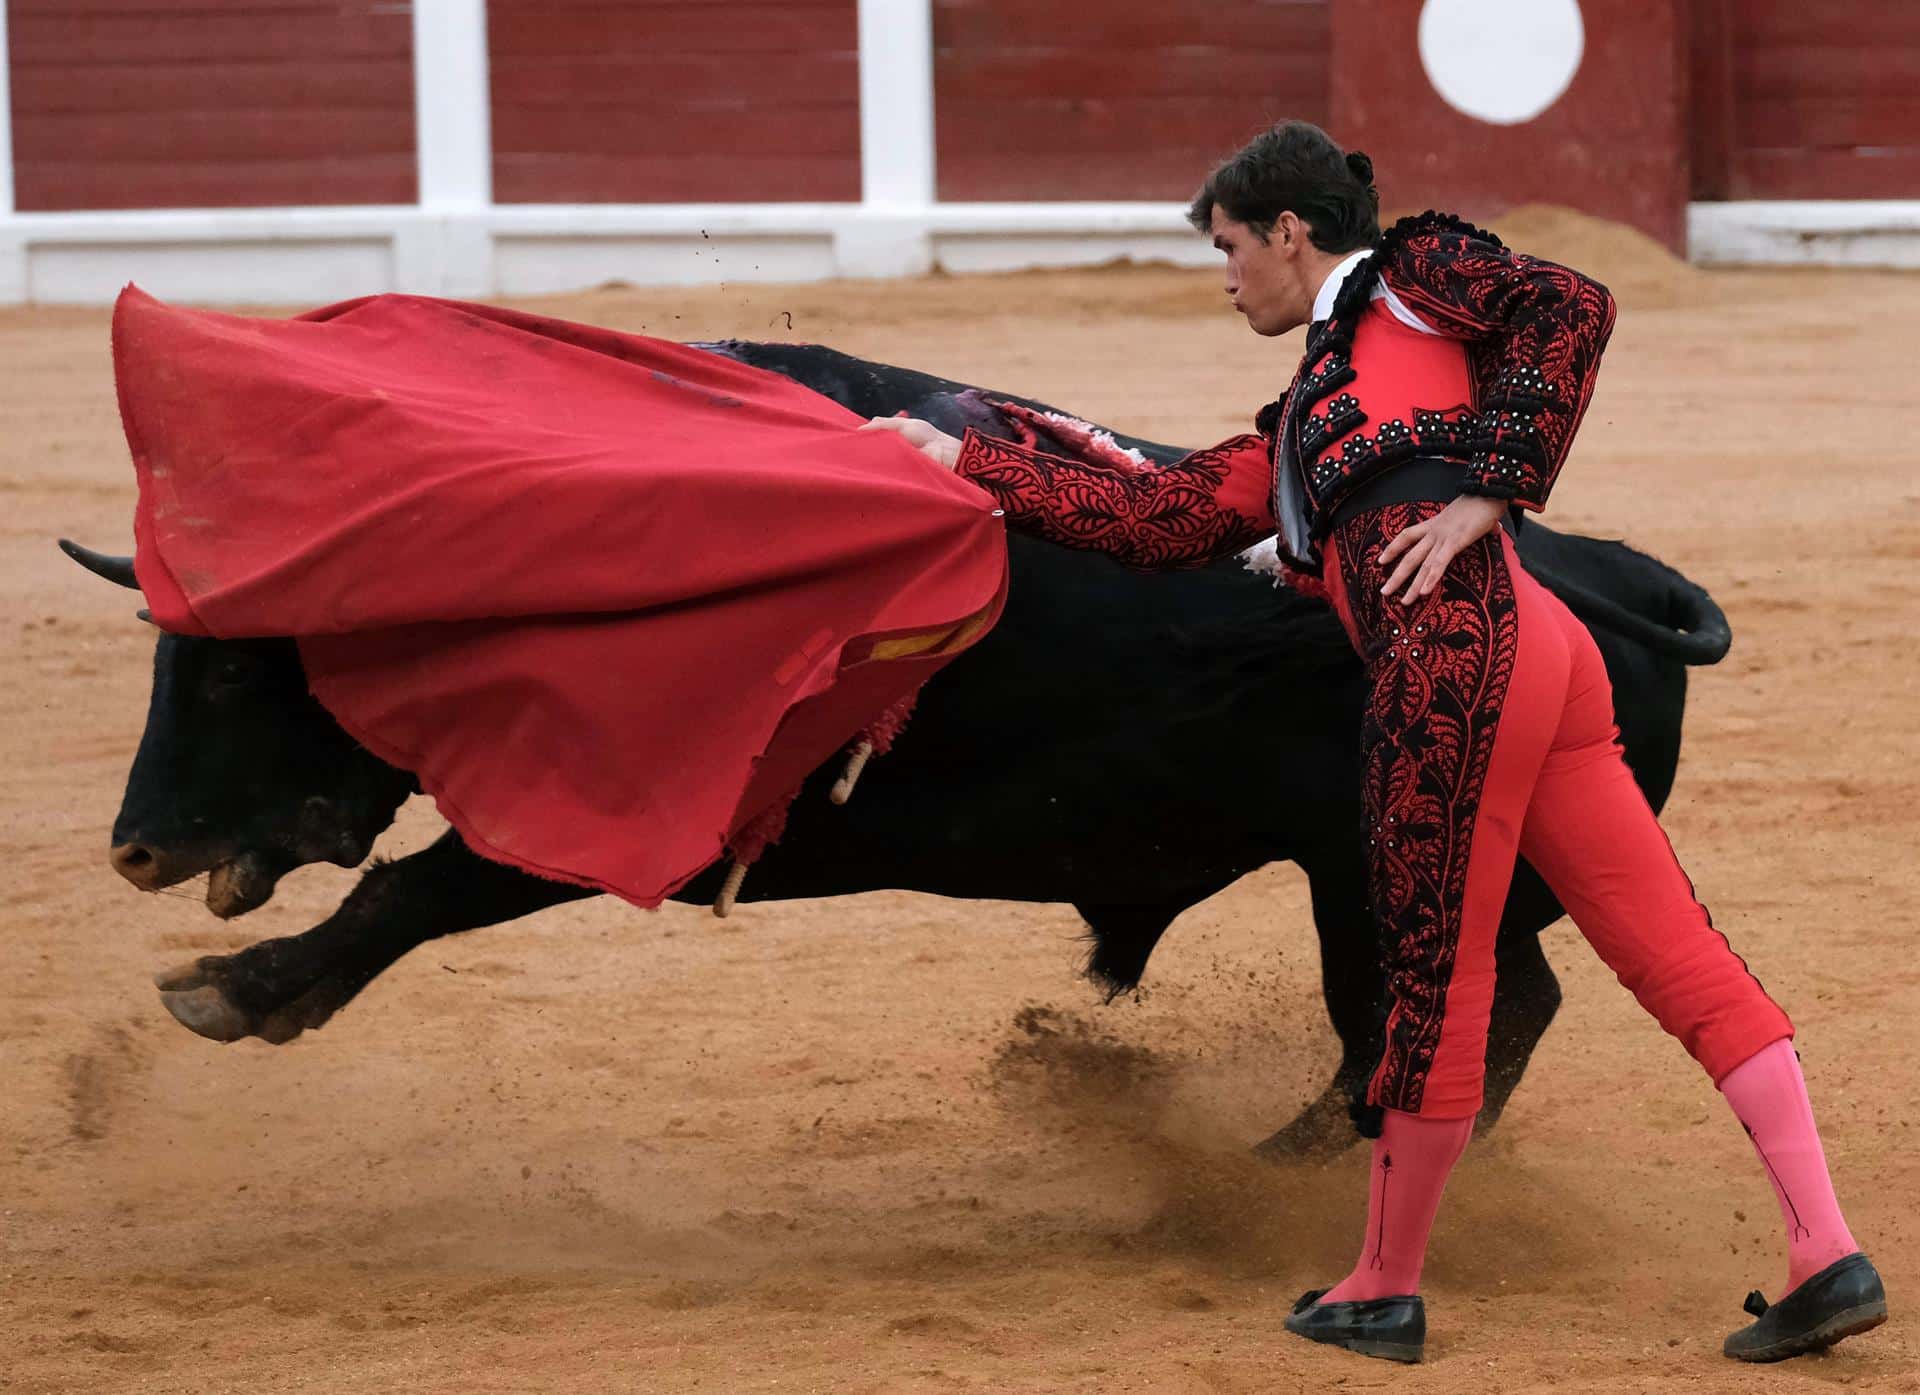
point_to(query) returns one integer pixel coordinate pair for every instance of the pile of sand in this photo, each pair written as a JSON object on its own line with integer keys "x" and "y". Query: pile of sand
{"x": 1640, "y": 272}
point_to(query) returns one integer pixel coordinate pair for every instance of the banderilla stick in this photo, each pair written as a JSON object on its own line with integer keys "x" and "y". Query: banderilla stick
{"x": 730, "y": 890}
{"x": 857, "y": 762}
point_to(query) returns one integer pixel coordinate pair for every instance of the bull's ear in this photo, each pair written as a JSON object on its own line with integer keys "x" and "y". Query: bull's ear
{"x": 118, "y": 570}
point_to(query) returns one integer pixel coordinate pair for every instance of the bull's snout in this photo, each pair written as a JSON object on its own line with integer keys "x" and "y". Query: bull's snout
{"x": 146, "y": 867}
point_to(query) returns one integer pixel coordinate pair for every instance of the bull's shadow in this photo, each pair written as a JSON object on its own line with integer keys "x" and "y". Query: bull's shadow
{"x": 1130, "y": 744}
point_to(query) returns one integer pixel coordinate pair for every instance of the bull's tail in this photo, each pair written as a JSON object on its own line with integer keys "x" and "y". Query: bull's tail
{"x": 1694, "y": 630}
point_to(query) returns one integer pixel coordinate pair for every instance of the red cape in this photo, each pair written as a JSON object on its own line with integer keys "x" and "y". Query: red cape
{"x": 609, "y": 597}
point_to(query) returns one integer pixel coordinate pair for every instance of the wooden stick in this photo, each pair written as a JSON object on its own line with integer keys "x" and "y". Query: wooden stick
{"x": 857, "y": 762}
{"x": 730, "y": 890}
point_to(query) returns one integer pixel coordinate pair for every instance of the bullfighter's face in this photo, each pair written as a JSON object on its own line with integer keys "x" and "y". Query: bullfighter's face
{"x": 1265, "y": 276}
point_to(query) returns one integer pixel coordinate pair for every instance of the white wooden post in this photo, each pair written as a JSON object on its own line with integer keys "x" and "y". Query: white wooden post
{"x": 896, "y": 103}
{"x": 13, "y": 247}
{"x": 453, "y": 131}
{"x": 890, "y": 236}
{"x": 6, "y": 120}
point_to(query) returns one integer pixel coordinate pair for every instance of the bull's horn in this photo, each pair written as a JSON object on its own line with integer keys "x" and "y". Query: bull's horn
{"x": 143, "y": 614}
{"x": 118, "y": 570}
{"x": 730, "y": 890}
{"x": 843, "y": 787}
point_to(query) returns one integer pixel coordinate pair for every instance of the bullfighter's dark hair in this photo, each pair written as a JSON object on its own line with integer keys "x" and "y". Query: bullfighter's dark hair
{"x": 1295, "y": 166}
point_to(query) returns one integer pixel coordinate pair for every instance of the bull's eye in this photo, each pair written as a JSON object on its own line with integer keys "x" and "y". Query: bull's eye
{"x": 232, "y": 673}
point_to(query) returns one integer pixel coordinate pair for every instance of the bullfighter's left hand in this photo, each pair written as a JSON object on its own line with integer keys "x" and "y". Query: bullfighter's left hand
{"x": 934, "y": 443}
{"x": 1425, "y": 549}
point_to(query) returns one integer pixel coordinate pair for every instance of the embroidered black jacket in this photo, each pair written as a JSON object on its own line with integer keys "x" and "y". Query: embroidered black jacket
{"x": 1533, "y": 333}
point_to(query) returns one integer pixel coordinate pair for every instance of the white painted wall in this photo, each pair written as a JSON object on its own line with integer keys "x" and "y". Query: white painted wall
{"x": 456, "y": 242}
{"x": 287, "y": 255}
{"x": 1823, "y": 232}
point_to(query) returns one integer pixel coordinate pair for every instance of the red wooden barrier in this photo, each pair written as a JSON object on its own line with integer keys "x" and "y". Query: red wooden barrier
{"x": 1129, "y": 99}
{"x": 145, "y": 103}
{"x": 672, "y": 101}
{"x": 140, "y": 104}
{"x": 1825, "y": 99}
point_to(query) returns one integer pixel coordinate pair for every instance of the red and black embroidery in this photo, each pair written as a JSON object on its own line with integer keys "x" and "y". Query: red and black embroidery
{"x": 1537, "y": 332}
{"x": 1534, "y": 332}
{"x": 1204, "y": 506}
{"x": 1437, "y": 675}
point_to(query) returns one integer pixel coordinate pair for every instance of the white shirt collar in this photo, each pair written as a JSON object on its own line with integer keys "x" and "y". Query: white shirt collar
{"x": 1330, "y": 288}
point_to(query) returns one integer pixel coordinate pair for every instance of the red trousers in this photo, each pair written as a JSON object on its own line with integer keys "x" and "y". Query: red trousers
{"x": 1489, "y": 732}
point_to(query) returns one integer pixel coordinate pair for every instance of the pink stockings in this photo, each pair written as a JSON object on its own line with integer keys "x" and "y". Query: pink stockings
{"x": 1411, "y": 1160}
{"x": 1414, "y": 1154}
{"x": 1769, "y": 1097}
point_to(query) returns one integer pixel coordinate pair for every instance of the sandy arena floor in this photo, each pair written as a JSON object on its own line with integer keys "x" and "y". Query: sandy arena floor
{"x": 835, "y": 1146}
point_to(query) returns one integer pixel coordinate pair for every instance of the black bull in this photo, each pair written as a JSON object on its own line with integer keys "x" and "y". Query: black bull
{"x": 1129, "y": 744}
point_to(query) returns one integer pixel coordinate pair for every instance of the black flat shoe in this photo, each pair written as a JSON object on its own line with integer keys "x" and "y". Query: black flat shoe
{"x": 1842, "y": 1300}
{"x": 1393, "y": 1329}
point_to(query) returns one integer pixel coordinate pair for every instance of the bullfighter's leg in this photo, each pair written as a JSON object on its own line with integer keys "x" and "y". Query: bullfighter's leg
{"x": 277, "y": 989}
{"x": 1490, "y": 713}
{"x": 1596, "y": 841}
{"x": 1463, "y": 697}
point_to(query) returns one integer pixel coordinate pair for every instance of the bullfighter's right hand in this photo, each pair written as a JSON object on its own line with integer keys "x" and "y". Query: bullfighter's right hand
{"x": 931, "y": 441}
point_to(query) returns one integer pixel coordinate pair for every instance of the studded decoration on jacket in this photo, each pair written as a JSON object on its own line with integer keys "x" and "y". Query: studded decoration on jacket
{"x": 1443, "y": 435}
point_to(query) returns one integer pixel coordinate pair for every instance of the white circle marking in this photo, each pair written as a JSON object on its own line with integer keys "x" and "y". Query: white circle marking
{"x": 1501, "y": 61}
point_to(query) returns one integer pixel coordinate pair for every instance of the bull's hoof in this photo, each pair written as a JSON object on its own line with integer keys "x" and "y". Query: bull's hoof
{"x": 1321, "y": 1130}
{"x": 201, "y": 1001}
{"x": 206, "y": 1012}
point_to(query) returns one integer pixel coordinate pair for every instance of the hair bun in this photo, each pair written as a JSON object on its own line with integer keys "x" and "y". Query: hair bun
{"x": 1360, "y": 166}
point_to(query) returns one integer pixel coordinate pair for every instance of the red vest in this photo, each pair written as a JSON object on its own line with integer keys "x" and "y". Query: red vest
{"x": 1401, "y": 394}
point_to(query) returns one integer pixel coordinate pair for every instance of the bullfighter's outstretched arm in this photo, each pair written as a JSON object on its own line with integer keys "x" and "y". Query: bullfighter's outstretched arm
{"x": 1536, "y": 331}
{"x": 1201, "y": 507}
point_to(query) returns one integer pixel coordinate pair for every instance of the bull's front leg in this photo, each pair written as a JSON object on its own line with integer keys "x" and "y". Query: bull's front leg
{"x": 1354, "y": 983}
{"x": 277, "y": 989}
